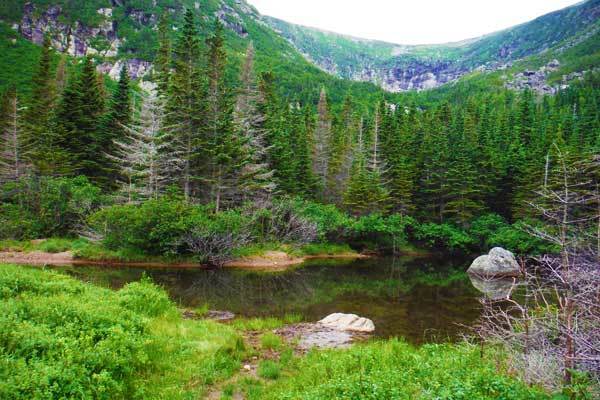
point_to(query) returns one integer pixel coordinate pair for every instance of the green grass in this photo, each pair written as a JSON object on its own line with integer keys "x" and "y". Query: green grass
{"x": 270, "y": 341}
{"x": 329, "y": 249}
{"x": 395, "y": 370}
{"x": 269, "y": 369}
{"x": 60, "y": 338}
{"x": 264, "y": 324}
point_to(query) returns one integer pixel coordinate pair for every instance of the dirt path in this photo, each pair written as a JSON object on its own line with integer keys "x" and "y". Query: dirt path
{"x": 269, "y": 261}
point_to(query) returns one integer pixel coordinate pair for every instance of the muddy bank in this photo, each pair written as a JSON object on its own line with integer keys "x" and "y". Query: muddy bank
{"x": 269, "y": 261}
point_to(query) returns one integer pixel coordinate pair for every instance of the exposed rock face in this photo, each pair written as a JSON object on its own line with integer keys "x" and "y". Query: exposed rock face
{"x": 536, "y": 80}
{"x": 231, "y": 20}
{"x": 73, "y": 39}
{"x": 498, "y": 263}
{"x": 348, "y": 323}
{"x": 135, "y": 67}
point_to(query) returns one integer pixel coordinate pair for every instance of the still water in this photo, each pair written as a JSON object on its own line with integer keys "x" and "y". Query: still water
{"x": 422, "y": 300}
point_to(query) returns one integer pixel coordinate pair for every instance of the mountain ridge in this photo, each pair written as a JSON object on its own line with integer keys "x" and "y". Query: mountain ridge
{"x": 427, "y": 66}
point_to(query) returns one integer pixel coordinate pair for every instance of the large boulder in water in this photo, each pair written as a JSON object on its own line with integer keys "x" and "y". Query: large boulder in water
{"x": 498, "y": 263}
{"x": 348, "y": 322}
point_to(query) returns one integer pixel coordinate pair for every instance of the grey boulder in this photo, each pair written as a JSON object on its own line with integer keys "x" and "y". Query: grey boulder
{"x": 498, "y": 263}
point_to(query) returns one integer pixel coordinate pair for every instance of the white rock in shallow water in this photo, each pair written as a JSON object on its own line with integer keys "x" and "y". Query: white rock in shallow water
{"x": 348, "y": 322}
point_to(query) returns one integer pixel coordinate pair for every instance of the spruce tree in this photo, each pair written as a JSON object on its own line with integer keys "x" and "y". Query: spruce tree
{"x": 225, "y": 148}
{"x": 162, "y": 63}
{"x": 322, "y": 142}
{"x": 366, "y": 192}
{"x": 13, "y": 165}
{"x": 183, "y": 127}
{"x": 116, "y": 120}
{"x": 255, "y": 177}
{"x": 79, "y": 124}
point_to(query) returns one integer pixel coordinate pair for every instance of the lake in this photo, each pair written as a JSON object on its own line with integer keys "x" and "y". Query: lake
{"x": 420, "y": 299}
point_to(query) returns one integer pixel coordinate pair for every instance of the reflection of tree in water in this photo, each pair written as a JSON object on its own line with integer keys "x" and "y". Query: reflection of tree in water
{"x": 420, "y": 299}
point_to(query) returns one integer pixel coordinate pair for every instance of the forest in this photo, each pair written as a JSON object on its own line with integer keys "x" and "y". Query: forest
{"x": 190, "y": 164}
{"x": 79, "y": 154}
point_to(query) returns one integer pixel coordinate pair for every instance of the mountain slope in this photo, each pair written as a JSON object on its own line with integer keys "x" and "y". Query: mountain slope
{"x": 124, "y": 31}
{"x": 400, "y": 67}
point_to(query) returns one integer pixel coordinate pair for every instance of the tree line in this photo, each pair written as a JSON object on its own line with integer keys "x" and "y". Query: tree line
{"x": 190, "y": 131}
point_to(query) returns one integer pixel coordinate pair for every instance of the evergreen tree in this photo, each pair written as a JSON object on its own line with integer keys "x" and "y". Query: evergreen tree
{"x": 399, "y": 154}
{"x": 162, "y": 63}
{"x": 13, "y": 165}
{"x": 39, "y": 132}
{"x": 116, "y": 120}
{"x": 225, "y": 148}
{"x": 341, "y": 156}
{"x": 256, "y": 179}
{"x": 183, "y": 127}
{"x": 79, "y": 124}
{"x": 366, "y": 192}
{"x": 322, "y": 141}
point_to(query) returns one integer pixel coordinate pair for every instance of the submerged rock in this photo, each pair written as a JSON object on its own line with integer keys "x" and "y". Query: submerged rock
{"x": 348, "y": 322}
{"x": 498, "y": 263}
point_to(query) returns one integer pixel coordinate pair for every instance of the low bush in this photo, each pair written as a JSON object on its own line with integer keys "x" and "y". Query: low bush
{"x": 145, "y": 298}
{"x": 444, "y": 236}
{"x": 45, "y": 207}
{"x": 395, "y": 370}
{"x": 62, "y": 339}
{"x": 155, "y": 227}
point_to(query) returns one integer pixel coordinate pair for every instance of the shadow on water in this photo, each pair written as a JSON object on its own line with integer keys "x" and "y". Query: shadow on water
{"x": 422, "y": 300}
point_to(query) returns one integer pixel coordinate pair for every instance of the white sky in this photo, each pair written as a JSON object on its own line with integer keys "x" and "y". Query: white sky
{"x": 410, "y": 21}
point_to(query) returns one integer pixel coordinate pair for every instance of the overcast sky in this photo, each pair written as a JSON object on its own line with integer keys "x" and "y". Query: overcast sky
{"x": 410, "y": 21}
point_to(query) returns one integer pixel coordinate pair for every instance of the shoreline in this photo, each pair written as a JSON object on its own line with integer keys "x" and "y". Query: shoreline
{"x": 270, "y": 261}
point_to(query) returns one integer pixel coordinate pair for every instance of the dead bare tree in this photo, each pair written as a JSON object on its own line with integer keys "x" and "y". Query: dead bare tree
{"x": 550, "y": 321}
{"x": 215, "y": 247}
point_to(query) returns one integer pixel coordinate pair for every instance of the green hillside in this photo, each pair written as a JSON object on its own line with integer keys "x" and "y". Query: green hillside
{"x": 383, "y": 63}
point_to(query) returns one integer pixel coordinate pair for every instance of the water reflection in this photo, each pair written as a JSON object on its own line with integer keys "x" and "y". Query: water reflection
{"x": 493, "y": 288}
{"x": 421, "y": 300}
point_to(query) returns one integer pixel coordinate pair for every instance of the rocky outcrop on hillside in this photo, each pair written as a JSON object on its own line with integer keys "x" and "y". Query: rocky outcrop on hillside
{"x": 536, "y": 80}
{"x": 414, "y": 76}
{"x": 78, "y": 39}
{"x": 73, "y": 39}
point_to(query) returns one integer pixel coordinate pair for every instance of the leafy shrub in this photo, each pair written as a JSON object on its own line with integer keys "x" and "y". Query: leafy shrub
{"x": 155, "y": 227}
{"x": 62, "y": 339}
{"x": 145, "y": 298}
{"x": 44, "y": 207}
{"x": 385, "y": 231}
{"x": 329, "y": 220}
{"x": 484, "y": 227}
{"x": 516, "y": 238}
{"x": 444, "y": 236}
